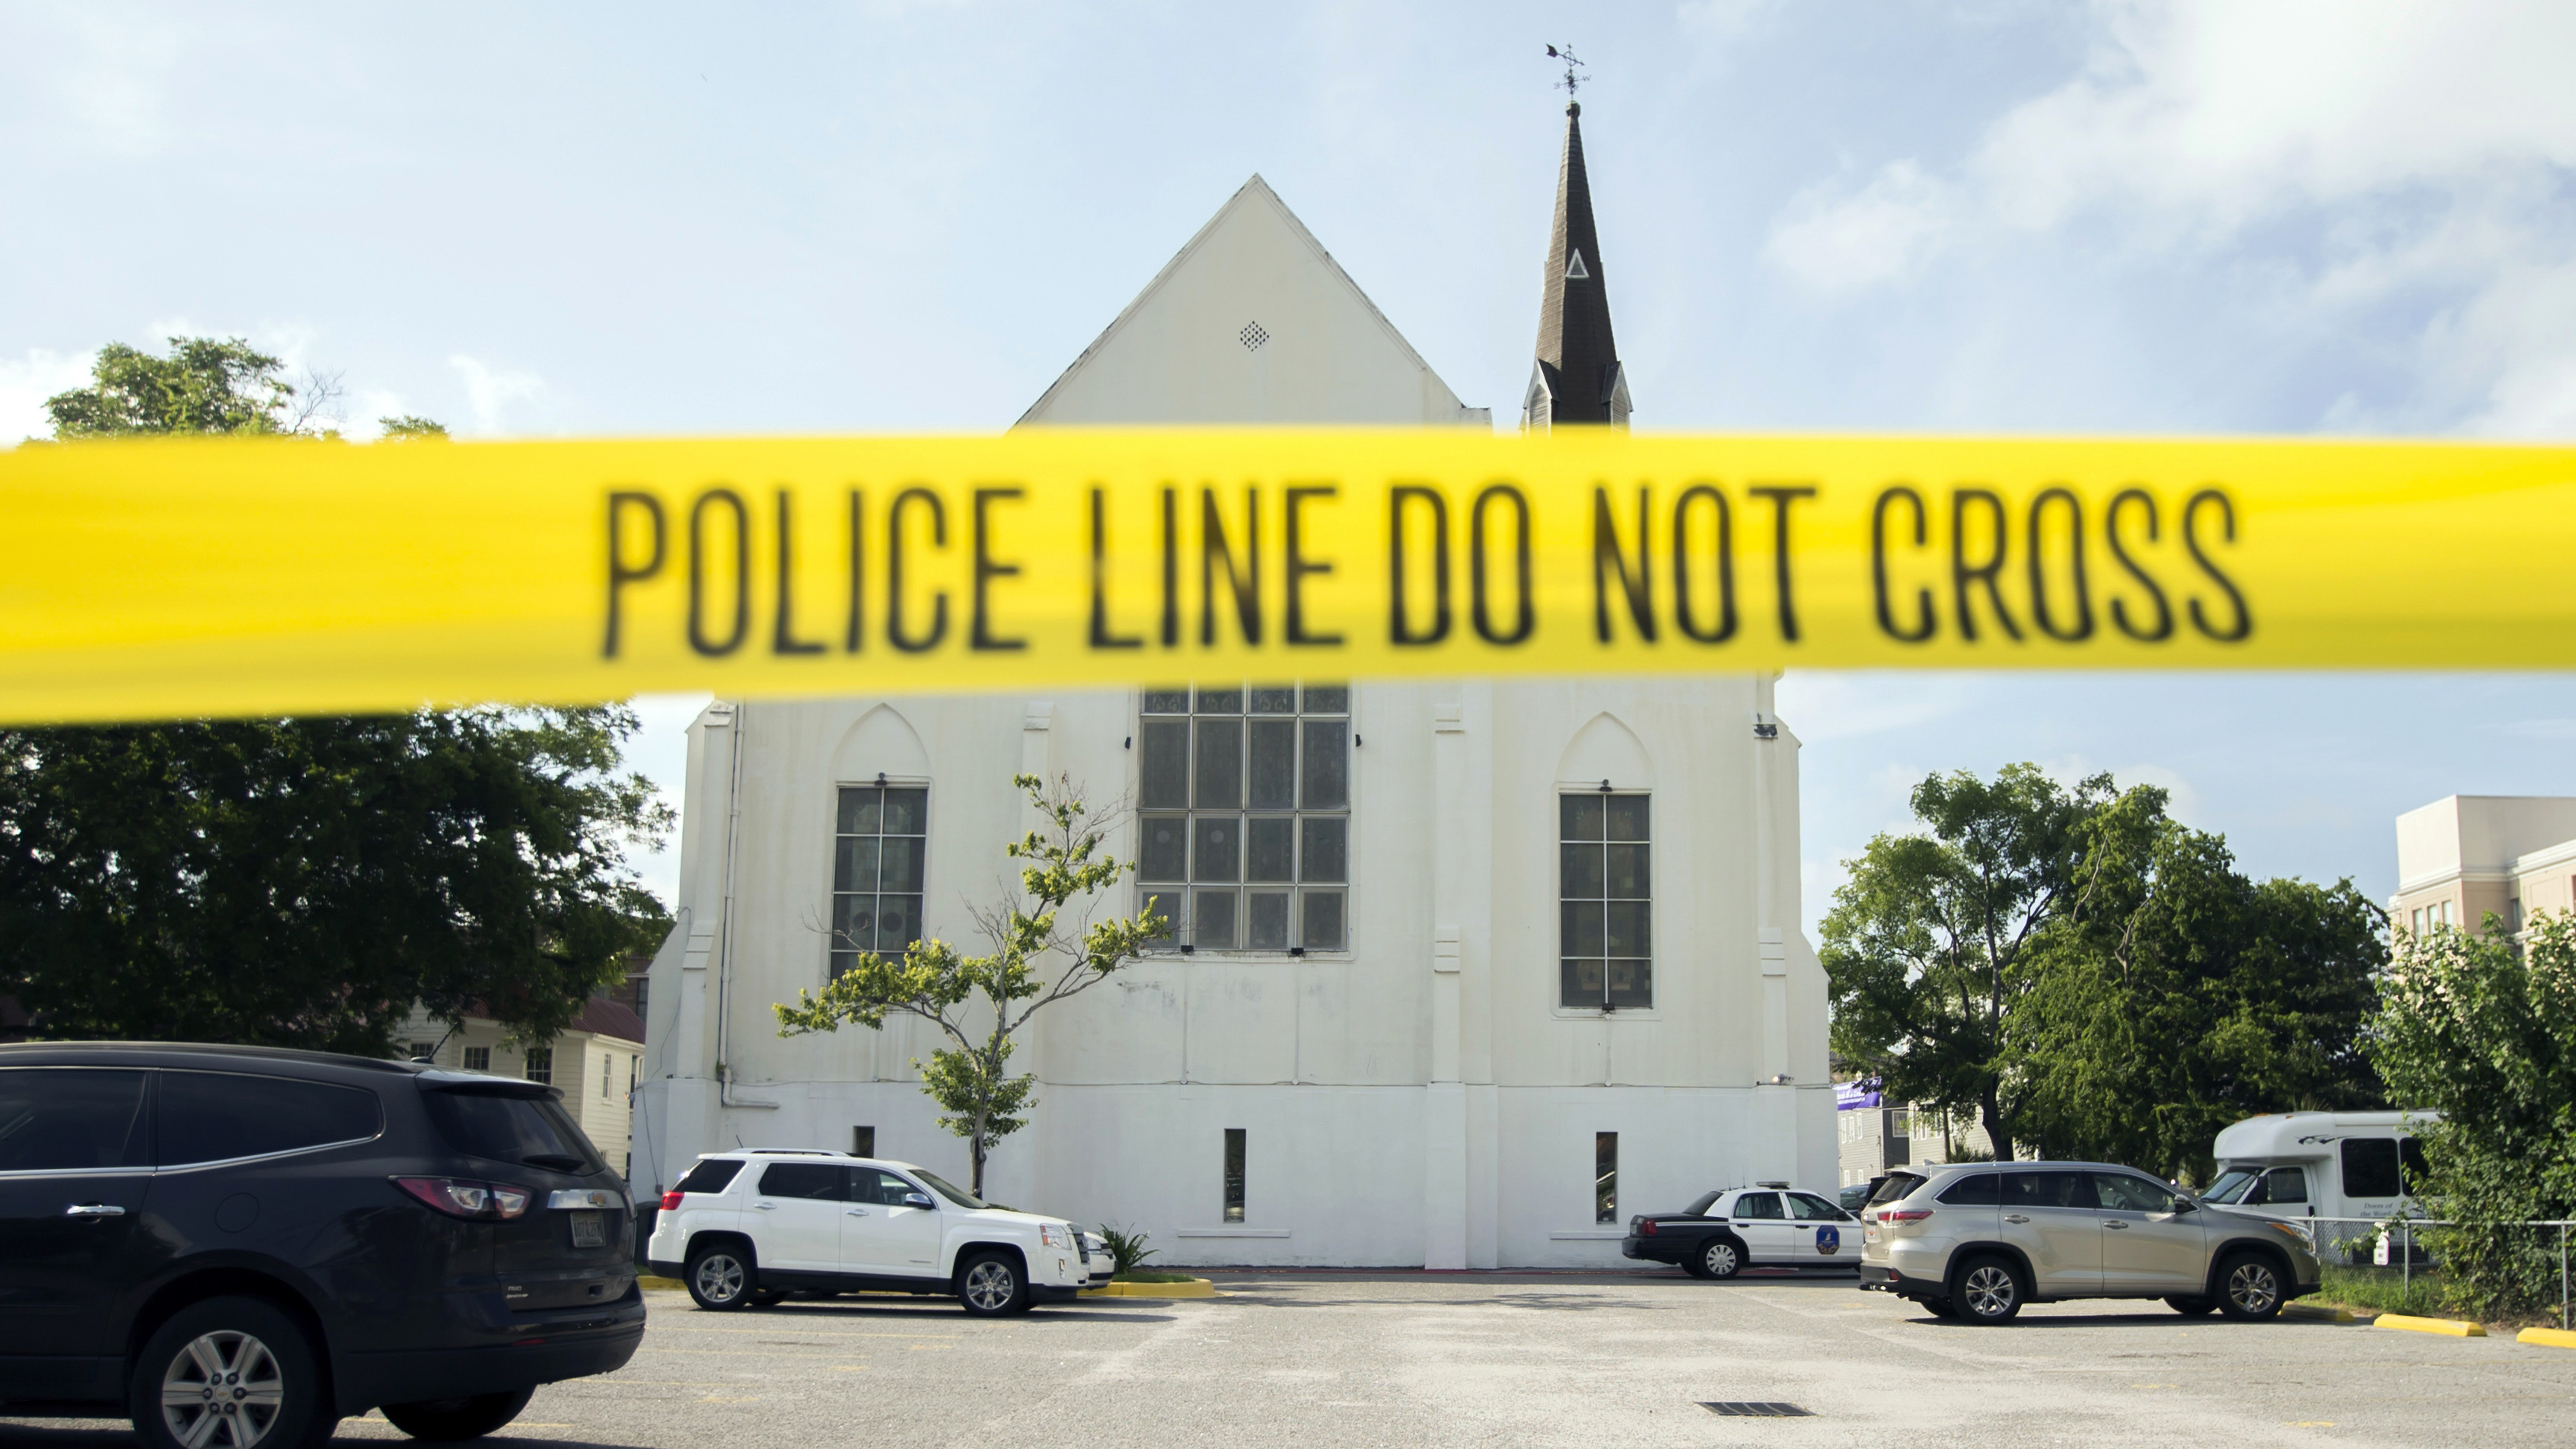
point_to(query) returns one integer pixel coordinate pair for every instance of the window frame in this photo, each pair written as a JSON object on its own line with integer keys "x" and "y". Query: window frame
{"x": 832, "y": 846}
{"x": 1181, "y": 946}
{"x": 1654, "y": 857}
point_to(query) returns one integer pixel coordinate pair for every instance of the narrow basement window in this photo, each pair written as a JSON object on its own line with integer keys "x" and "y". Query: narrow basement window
{"x": 1234, "y": 1174}
{"x": 1605, "y": 1177}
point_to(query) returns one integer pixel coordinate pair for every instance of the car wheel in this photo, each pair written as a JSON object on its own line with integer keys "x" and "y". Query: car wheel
{"x": 1989, "y": 1291}
{"x": 1941, "y": 1307}
{"x": 991, "y": 1285}
{"x": 1720, "y": 1258}
{"x": 2249, "y": 1287}
{"x": 449, "y": 1420}
{"x": 2192, "y": 1307}
{"x": 229, "y": 1373}
{"x": 723, "y": 1277}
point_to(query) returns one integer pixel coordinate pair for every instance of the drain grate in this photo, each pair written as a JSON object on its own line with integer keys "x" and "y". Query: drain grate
{"x": 1755, "y": 1411}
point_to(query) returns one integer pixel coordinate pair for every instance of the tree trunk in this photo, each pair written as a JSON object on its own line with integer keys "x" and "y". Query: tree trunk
{"x": 975, "y": 1144}
{"x": 1997, "y": 1135}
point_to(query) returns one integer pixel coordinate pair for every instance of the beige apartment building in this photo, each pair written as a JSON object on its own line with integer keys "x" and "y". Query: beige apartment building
{"x": 2465, "y": 857}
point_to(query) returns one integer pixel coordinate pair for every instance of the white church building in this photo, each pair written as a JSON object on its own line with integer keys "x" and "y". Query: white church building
{"x": 1462, "y": 973}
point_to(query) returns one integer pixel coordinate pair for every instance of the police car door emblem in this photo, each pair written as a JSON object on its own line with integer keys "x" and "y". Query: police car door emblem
{"x": 1829, "y": 1240}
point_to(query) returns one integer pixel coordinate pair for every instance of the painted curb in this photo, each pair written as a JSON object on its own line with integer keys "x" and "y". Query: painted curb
{"x": 1195, "y": 1288}
{"x": 2317, "y": 1312}
{"x": 650, "y": 1283}
{"x": 2547, "y": 1337}
{"x": 2447, "y": 1327}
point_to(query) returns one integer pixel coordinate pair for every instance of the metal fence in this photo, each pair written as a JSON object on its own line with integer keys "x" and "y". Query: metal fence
{"x": 2402, "y": 1231}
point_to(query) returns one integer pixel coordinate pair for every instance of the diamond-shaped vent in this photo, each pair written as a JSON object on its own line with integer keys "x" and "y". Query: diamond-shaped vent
{"x": 1756, "y": 1411}
{"x": 1253, "y": 336}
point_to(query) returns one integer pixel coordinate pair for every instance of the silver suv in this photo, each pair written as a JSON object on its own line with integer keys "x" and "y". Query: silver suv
{"x": 1978, "y": 1240}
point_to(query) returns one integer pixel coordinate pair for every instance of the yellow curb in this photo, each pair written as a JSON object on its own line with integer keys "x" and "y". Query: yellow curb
{"x": 648, "y": 1281}
{"x": 2448, "y": 1327}
{"x": 2317, "y": 1311}
{"x": 1195, "y": 1288}
{"x": 2547, "y": 1337}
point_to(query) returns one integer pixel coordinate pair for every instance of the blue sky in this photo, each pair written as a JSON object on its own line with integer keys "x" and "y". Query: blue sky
{"x": 1984, "y": 216}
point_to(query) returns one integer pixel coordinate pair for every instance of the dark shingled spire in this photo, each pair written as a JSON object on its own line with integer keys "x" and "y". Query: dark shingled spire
{"x": 1578, "y": 379}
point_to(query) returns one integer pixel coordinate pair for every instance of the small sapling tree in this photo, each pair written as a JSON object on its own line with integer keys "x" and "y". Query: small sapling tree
{"x": 1045, "y": 949}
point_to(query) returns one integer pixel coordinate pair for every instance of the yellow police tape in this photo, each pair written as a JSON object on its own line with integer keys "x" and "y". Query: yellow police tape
{"x": 231, "y": 577}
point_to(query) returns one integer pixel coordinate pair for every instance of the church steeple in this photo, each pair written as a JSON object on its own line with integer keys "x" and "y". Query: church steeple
{"x": 1578, "y": 378}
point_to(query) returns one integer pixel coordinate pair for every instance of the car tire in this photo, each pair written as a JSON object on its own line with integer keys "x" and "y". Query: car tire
{"x": 723, "y": 1277}
{"x": 270, "y": 1390}
{"x": 1720, "y": 1258}
{"x": 2192, "y": 1307}
{"x": 992, "y": 1284}
{"x": 2249, "y": 1287}
{"x": 1941, "y": 1307}
{"x": 448, "y": 1421}
{"x": 1989, "y": 1290}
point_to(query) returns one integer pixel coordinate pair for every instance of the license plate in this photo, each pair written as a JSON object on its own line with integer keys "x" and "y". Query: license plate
{"x": 588, "y": 1231}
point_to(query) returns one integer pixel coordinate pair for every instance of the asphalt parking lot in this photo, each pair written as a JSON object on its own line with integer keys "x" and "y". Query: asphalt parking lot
{"x": 1442, "y": 1359}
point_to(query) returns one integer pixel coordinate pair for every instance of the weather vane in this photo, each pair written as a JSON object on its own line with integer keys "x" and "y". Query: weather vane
{"x": 1566, "y": 54}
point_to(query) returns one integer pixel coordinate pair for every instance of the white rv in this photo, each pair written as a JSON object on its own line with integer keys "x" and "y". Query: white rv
{"x": 2322, "y": 1165}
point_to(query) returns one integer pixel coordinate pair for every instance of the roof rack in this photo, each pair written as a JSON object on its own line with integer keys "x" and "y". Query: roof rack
{"x": 791, "y": 1152}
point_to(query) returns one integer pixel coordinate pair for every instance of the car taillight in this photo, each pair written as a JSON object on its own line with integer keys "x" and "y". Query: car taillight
{"x": 671, "y": 1200}
{"x": 1646, "y": 1228}
{"x": 460, "y": 1198}
{"x": 1904, "y": 1215}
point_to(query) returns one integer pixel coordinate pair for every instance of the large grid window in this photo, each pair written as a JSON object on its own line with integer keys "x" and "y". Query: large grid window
{"x": 881, "y": 837}
{"x": 1244, "y": 816}
{"x": 1606, "y": 906}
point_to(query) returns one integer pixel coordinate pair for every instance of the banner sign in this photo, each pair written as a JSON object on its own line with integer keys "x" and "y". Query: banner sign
{"x": 217, "y": 576}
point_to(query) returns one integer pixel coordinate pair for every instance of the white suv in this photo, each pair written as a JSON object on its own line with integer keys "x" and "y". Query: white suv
{"x": 752, "y": 1226}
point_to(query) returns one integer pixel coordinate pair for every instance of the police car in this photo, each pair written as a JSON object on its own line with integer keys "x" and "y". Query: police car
{"x": 1766, "y": 1225}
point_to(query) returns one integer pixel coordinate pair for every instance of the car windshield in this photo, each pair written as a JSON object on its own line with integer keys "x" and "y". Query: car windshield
{"x": 951, "y": 1191}
{"x": 1699, "y": 1204}
{"x": 2231, "y": 1185}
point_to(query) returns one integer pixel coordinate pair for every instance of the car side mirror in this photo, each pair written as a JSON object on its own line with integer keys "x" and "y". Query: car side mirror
{"x": 918, "y": 1199}
{"x": 2184, "y": 1205}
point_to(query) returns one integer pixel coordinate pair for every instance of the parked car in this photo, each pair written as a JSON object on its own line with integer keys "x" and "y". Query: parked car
{"x": 244, "y": 1246}
{"x": 1096, "y": 1252}
{"x": 1976, "y": 1241}
{"x": 2358, "y": 1165}
{"x": 748, "y": 1226}
{"x": 1729, "y": 1230}
{"x": 1854, "y": 1197}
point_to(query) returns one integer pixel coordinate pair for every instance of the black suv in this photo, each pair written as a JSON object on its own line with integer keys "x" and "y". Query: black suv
{"x": 243, "y": 1246}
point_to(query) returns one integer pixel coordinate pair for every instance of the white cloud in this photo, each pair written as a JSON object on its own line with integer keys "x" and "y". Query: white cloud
{"x": 1838, "y": 240}
{"x": 2361, "y": 152}
{"x": 486, "y": 390}
{"x": 26, "y": 382}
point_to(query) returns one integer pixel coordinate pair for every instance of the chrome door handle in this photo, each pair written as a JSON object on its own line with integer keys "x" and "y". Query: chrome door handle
{"x": 2113, "y": 1223}
{"x": 2015, "y": 1218}
{"x": 858, "y": 1212}
{"x": 93, "y": 1210}
{"x": 767, "y": 1207}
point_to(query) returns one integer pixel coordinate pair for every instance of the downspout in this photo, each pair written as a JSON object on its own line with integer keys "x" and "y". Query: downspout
{"x": 724, "y": 929}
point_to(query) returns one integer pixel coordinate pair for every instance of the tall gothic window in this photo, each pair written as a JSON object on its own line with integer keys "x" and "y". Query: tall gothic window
{"x": 1606, "y": 910}
{"x": 882, "y": 835}
{"x": 1244, "y": 806}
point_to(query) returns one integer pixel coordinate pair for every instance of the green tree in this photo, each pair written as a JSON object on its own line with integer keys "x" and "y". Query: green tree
{"x": 1045, "y": 950}
{"x": 2175, "y": 996}
{"x": 205, "y": 385}
{"x": 1926, "y": 948}
{"x": 410, "y": 428}
{"x": 2483, "y": 1032}
{"x": 303, "y": 882}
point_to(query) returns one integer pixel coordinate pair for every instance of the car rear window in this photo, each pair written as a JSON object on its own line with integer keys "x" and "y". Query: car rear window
{"x": 1895, "y": 1186}
{"x": 1979, "y": 1189}
{"x": 710, "y": 1174}
{"x": 57, "y": 1117}
{"x": 511, "y": 1127}
{"x": 220, "y": 1116}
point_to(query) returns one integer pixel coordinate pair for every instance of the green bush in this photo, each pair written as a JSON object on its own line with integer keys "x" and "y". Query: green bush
{"x": 1127, "y": 1250}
